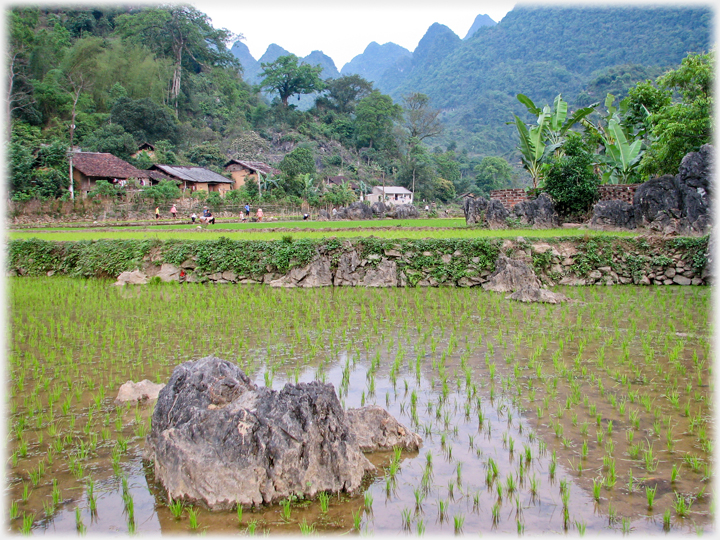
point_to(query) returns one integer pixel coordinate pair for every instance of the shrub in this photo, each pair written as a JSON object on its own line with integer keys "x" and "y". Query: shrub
{"x": 570, "y": 180}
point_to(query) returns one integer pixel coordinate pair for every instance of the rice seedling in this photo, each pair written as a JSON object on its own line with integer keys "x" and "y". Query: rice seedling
{"x": 666, "y": 519}
{"x": 681, "y": 505}
{"x": 193, "y": 517}
{"x": 650, "y": 494}
{"x": 27, "y": 523}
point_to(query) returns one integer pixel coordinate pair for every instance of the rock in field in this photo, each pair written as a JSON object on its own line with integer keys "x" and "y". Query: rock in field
{"x": 219, "y": 439}
{"x": 138, "y": 392}
{"x": 375, "y": 430}
{"x": 136, "y": 277}
{"x": 511, "y": 275}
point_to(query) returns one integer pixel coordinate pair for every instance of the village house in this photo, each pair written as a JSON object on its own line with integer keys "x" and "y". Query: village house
{"x": 148, "y": 148}
{"x": 340, "y": 180}
{"x": 241, "y": 171}
{"x": 390, "y": 195}
{"x": 89, "y": 167}
{"x": 195, "y": 178}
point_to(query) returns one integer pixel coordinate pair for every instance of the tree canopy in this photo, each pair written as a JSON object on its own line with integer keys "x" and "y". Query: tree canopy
{"x": 287, "y": 77}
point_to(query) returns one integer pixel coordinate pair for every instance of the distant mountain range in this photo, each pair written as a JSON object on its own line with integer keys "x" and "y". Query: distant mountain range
{"x": 580, "y": 52}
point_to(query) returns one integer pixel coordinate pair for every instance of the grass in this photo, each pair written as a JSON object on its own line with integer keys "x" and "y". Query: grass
{"x": 384, "y": 232}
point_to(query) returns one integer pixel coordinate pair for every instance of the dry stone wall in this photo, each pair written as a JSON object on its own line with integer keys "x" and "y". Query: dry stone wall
{"x": 370, "y": 262}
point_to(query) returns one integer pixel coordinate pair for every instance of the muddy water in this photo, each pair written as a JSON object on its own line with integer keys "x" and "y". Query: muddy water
{"x": 460, "y": 353}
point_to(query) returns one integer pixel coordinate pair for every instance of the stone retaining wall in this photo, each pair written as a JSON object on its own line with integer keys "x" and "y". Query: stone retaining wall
{"x": 371, "y": 262}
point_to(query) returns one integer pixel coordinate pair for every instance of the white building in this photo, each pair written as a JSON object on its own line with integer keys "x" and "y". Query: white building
{"x": 390, "y": 195}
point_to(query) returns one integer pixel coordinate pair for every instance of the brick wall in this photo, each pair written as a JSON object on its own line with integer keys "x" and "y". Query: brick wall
{"x": 509, "y": 197}
{"x": 618, "y": 192}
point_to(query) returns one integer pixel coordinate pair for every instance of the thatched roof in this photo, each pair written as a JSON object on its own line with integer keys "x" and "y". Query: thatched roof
{"x": 192, "y": 174}
{"x": 103, "y": 165}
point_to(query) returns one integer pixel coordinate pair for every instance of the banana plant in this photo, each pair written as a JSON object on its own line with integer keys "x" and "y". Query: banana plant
{"x": 532, "y": 147}
{"x": 308, "y": 186}
{"x": 265, "y": 181}
{"x": 559, "y": 124}
{"x": 621, "y": 156}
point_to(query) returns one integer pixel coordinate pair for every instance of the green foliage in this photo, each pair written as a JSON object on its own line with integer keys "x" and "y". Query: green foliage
{"x": 492, "y": 173}
{"x": 287, "y": 77}
{"x": 163, "y": 192}
{"x": 375, "y": 115}
{"x": 94, "y": 258}
{"x": 570, "y": 179}
{"x": 103, "y": 188}
{"x": 145, "y": 120}
{"x": 299, "y": 161}
{"x": 684, "y": 126}
{"x": 207, "y": 154}
{"x": 111, "y": 138}
{"x": 342, "y": 94}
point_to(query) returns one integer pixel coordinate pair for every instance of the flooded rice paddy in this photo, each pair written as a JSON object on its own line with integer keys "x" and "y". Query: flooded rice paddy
{"x": 590, "y": 416}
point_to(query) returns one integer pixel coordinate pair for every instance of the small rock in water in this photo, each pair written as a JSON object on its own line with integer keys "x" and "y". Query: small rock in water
{"x": 138, "y": 392}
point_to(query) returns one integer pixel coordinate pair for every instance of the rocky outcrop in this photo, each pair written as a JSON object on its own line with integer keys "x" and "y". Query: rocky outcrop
{"x": 220, "y": 440}
{"x": 402, "y": 211}
{"x": 489, "y": 213}
{"x": 538, "y": 213}
{"x": 613, "y": 214}
{"x": 694, "y": 183}
{"x": 379, "y": 208}
{"x": 657, "y": 204}
{"x": 355, "y": 211}
{"x": 353, "y": 271}
{"x": 376, "y": 430}
{"x": 132, "y": 392}
{"x": 511, "y": 275}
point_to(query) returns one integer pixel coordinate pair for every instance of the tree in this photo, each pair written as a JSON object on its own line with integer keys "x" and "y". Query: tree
{"x": 206, "y": 154}
{"x": 146, "y": 120}
{"x": 374, "y": 118}
{"x": 684, "y": 126}
{"x": 344, "y": 93}
{"x": 287, "y": 77}
{"x": 299, "y": 161}
{"x": 492, "y": 173}
{"x": 421, "y": 120}
{"x": 166, "y": 190}
{"x": 111, "y": 138}
{"x": 182, "y": 33}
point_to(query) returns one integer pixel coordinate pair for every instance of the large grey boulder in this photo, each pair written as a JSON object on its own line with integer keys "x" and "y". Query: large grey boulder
{"x": 694, "y": 184}
{"x": 539, "y": 213}
{"x": 315, "y": 274}
{"x": 511, "y": 275}
{"x": 220, "y": 440}
{"x": 613, "y": 214}
{"x": 657, "y": 204}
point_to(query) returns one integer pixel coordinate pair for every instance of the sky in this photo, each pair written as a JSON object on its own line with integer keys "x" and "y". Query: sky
{"x": 343, "y": 28}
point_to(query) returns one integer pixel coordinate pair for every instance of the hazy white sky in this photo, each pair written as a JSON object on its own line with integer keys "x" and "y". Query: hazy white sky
{"x": 343, "y": 28}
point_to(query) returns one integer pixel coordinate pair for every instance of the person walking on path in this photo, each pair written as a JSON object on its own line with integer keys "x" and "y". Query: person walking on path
{"x": 193, "y": 217}
{"x": 157, "y": 213}
{"x": 173, "y": 211}
{"x": 259, "y": 214}
{"x": 247, "y": 212}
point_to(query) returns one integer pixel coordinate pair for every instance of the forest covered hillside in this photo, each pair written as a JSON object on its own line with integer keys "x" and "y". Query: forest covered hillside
{"x": 108, "y": 79}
